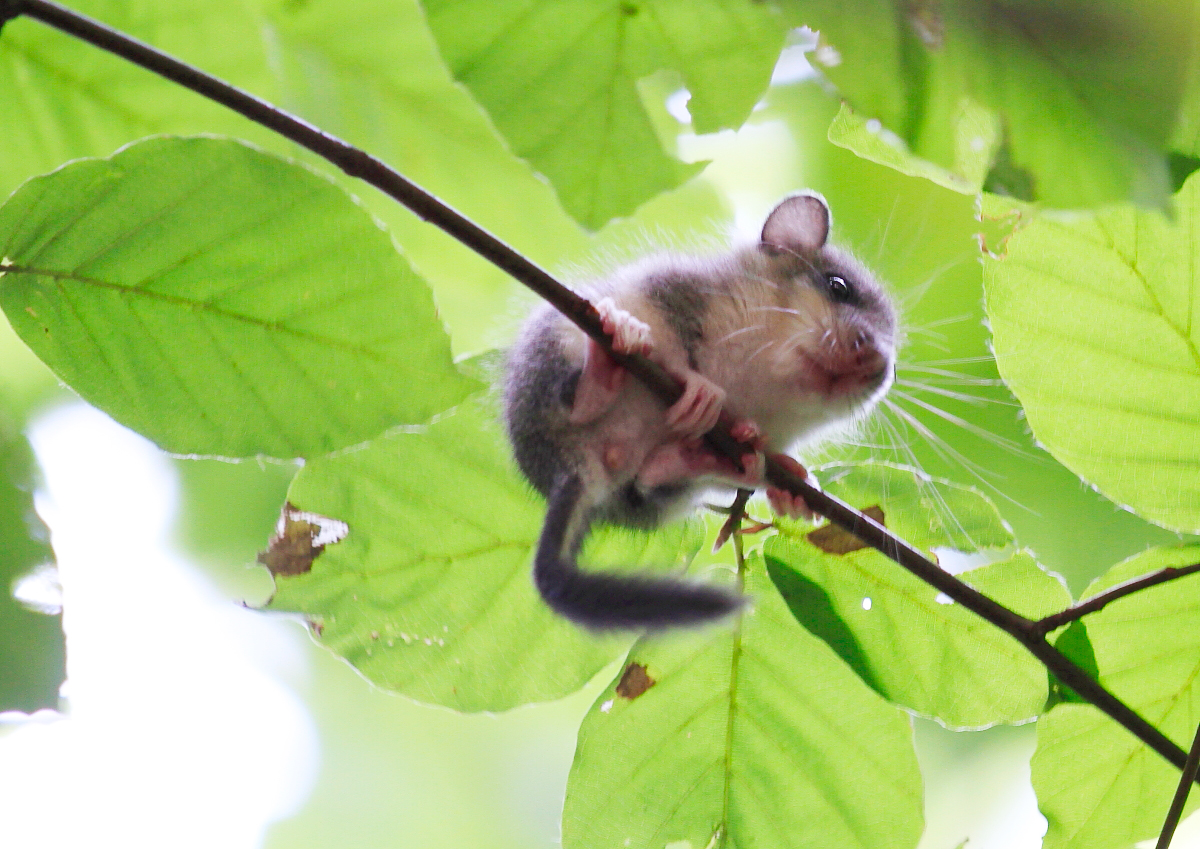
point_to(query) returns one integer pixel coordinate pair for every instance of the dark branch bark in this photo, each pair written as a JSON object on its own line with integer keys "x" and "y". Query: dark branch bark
{"x": 1102, "y": 600}
{"x": 357, "y": 163}
{"x": 1181, "y": 794}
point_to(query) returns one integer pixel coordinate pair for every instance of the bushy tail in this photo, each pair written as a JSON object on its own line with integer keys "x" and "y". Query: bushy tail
{"x": 605, "y": 600}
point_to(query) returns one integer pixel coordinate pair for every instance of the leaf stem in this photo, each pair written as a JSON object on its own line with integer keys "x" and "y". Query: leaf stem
{"x": 359, "y": 164}
{"x": 1181, "y": 794}
{"x": 1098, "y": 602}
{"x": 734, "y": 662}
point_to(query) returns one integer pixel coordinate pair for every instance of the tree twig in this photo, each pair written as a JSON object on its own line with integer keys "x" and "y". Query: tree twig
{"x": 1190, "y": 768}
{"x": 736, "y": 511}
{"x": 361, "y": 165}
{"x": 1098, "y": 602}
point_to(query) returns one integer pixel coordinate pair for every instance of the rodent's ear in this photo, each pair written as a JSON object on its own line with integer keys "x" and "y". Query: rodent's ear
{"x": 800, "y": 223}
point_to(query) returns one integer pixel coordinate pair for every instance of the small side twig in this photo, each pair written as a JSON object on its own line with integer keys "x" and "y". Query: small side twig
{"x": 1190, "y": 768}
{"x": 737, "y": 511}
{"x": 1098, "y": 602}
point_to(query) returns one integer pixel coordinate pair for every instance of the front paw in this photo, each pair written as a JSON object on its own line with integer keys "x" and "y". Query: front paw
{"x": 629, "y": 335}
{"x": 698, "y": 408}
{"x": 783, "y": 502}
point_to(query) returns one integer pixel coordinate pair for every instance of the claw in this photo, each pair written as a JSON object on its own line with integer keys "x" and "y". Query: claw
{"x": 629, "y": 335}
{"x": 698, "y": 408}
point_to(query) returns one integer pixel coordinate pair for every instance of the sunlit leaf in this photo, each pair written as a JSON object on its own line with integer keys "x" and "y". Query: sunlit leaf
{"x": 1087, "y": 93}
{"x": 560, "y": 81}
{"x": 1094, "y": 320}
{"x": 70, "y": 99}
{"x": 902, "y": 636}
{"x": 975, "y": 146}
{"x": 220, "y": 300}
{"x": 430, "y": 593}
{"x": 1097, "y": 784}
{"x": 756, "y": 733}
{"x": 369, "y": 71}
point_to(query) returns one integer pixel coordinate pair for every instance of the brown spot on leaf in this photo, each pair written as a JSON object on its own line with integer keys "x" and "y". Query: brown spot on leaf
{"x": 634, "y": 682}
{"x": 299, "y": 537}
{"x": 317, "y": 626}
{"x": 833, "y": 540}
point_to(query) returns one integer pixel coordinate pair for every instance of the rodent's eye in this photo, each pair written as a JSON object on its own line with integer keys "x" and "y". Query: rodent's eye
{"x": 839, "y": 289}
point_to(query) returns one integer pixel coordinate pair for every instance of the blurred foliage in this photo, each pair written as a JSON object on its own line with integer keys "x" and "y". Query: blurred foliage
{"x": 32, "y": 662}
{"x": 598, "y": 114}
{"x": 1087, "y": 93}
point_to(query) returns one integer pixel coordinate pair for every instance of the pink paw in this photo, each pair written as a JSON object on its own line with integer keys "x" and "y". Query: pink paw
{"x": 783, "y": 502}
{"x": 744, "y": 430}
{"x": 629, "y": 335}
{"x": 698, "y": 409}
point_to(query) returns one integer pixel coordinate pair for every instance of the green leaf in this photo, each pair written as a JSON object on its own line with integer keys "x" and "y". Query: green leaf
{"x": 33, "y": 662}
{"x": 223, "y": 301}
{"x": 71, "y": 99}
{"x": 1095, "y": 331}
{"x": 1087, "y": 92}
{"x": 369, "y": 71}
{"x": 1097, "y": 784}
{"x": 904, "y": 639}
{"x": 975, "y": 146}
{"x": 430, "y": 595}
{"x": 559, "y": 80}
{"x": 753, "y": 732}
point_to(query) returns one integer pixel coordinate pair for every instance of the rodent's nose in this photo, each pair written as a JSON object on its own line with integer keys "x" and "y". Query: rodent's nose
{"x": 862, "y": 339}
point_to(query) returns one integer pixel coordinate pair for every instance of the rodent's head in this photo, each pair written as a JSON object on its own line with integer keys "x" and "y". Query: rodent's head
{"x": 843, "y": 348}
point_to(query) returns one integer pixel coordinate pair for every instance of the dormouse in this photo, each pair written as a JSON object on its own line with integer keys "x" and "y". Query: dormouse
{"x": 792, "y": 335}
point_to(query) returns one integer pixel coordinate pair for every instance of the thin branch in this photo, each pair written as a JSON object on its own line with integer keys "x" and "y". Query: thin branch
{"x": 1098, "y": 602}
{"x": 1181, "y": 794}
{"x": 359, "y": 164}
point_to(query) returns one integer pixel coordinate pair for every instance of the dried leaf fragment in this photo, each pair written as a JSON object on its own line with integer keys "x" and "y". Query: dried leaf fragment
{"x": 833, "y": 540}
{"x": 299, "y": 537}
{"x": 634, "y": 681}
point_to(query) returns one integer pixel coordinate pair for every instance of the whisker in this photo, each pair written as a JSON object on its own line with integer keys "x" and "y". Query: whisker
{"x": 738, "y": 332}
{"x": 976, "y": 400}
{"x": 942, "y": 322}
{"x": 763, "y": 347}
{"x": 942, "y": 506}
{"x": 957, "y": 378}
{"x": 999, "y": 441}
{"x": 983, "y": 358}
{"x": 915, "y": 295}
{"x": 787, "y": 310}
{"x": 944, "y": 450}
{"x": 887, "y": 228}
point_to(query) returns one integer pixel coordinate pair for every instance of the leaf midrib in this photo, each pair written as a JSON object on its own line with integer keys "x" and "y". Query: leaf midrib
{"x": 202, "y": 306}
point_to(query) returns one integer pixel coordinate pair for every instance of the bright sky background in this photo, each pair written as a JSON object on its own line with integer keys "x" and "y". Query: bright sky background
{"x": 182, "y": 728}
